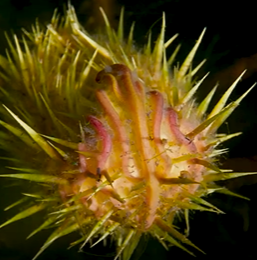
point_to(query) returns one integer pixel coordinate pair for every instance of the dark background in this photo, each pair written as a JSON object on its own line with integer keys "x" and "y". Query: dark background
{"x": 230, "y": 45}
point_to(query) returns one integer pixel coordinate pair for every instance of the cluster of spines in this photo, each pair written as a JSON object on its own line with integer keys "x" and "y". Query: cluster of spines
{"x": 22, "y": 66}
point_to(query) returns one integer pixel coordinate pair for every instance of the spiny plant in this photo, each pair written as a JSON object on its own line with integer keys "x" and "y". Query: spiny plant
{"x": 110, "y": 135}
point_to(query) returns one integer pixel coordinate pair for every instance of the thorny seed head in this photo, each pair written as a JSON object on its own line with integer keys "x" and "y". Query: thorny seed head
{"x": 110, "y": 135}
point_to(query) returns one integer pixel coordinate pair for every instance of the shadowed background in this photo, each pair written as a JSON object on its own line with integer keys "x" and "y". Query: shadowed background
{"x": 230, "y": 45}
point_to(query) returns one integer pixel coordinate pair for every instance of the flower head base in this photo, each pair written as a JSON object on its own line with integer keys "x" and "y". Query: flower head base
{"x": 113, "y": 139}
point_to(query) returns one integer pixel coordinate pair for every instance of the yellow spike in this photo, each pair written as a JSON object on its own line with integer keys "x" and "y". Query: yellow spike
{"x": 77, "y": 32}
{"x": 206, "y": 164}
{"x": 36, "y": 177}
{"x": 52, "y": 115}
{"x": 82, "y": 134}
{"x": 24, "y": 214}
{"x": 24, "y": 113}
{"x": 107, "y": 24}
{"x": 16, "y": 203}
{"x": 130, "y": 38}
{"x": 161, "y": 240}
{"x": 192, "y": 206}
{"x": 125, "y": 242}
{"x": 188, "y": 61}
{"x": 199, "y": 200}
{"x": 218, "y": 152}
{"x": 162, "y": 232}
{"x": 230, "y": 108}
{"x": 107, "y": 232}
{"x": 169, "y": 42}
{"x": 208, "y": 122}
{"x": 55, "y": 34}
{"x": 61, "y": 152}
{"x": 36, "y": 196}
{"x": 67, "y": 210}
{"x": 35, "y": 136}
{"x": 148, "y": 47}
{"x": 196, "y": 69}
{"x": 165, "y": 69}
{"x": 160, "y": 223}
{"x": 73, "y": 69}
{"x": 62, "y": 142}
{"x": 63, "y": 230}
{"x": 86, "y": 71}
{"x": 224, "y": 98}
{"x": 129, "y": 249}
{"x": 174, "y": 100}
{"x": 191, "y": 110}
{"x": 173, "y": 56}
{"x": 231, "y": 193}
{"x": 4, "y": 64}
{"x": 13, "y": 69}
{"x": 13, "y": 50}
{"x": 126, "y": 58}
{"x": 226, "y": 175}
{"x": 31, "y": 67}
{"x": 19, "y": 133}
{"x": 184, "y": 158}
{"x": 62, "y": 60}
{"x": 23, "y": 169}
{"x": 9, "y": 159}
{"x": 202, "y": 108}
{"x": 59, "y": 125}
{"x": 55, "y": 17}
{"x": 45, "y": 225}
{"x": 98, "y": 226}
{"x": 192, "y": 91}
{"x": 223, "y": 139}
{"x": 159, "y": 47}
{"x": 77, "y": 242}
{"x": 24, "y": 69}
{"x": 121, "y": 25}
